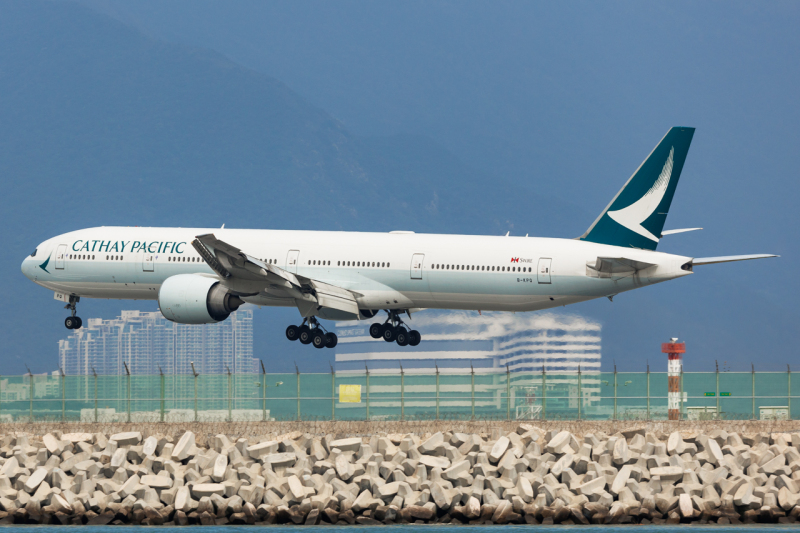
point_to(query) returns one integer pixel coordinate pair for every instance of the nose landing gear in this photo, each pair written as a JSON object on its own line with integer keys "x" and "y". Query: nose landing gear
{"x": 395, "y": 330}
{"x": 72, "y": 321}
{"x": 311, "y": 332}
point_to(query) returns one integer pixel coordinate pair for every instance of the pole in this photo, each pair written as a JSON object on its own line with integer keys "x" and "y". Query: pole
{"x": 716, "y": 364}
{"x": 544, "y": 394}
{"x": 63, "y": 395}
{"x": 161, "y": 373}
{"x": 298, "y": 391}
{"x": 580, "y": 394}
{"x": 367, "y": 370}
{"x": 30, "y": 393}
{"x": 615, "y": 391}
{"x": 789, "y": 392}
{"x": 753, "y": 375}
{"x": 95, "y": 395}
{"x": 333, "y": 393}
{"x": 437, "y": 390}
{"x": 683, "y": 403}
{"x": 472, "y": 372}
{"x": 648, "y": 391}
{"x": 230, "y": 407}
{"x": 128, "y": 372}
{"x": 508, "y": 393}
{"x": 263, "y": 392}
{"x": 402, "y": 394}
{"x": 194, "y": 372}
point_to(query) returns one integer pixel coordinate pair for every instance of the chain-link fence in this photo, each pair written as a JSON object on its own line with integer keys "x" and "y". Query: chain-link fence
{"x": 397, "y": 396}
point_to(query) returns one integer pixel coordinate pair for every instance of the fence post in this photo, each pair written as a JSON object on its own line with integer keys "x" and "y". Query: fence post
{"x": 298, "y": 391}
{"x": 95, "y": 395}
{"x": 615, "y": 391}
{"x": 63, "y": 394}
{"x": 194, "y": 373}
{"x": 163, "y": 388}
{"x": 508, "y": 393}
{"x": 333, "y": 393}
{"x": 263, "y": 392}
{"x": 753, "y": 374}
{"x": 789, "y": 392}
{"x": 648, "y": 391}
{"x": 682, "y": 402}
{"x": 580, "y": 393}
{"x": 230, "y": 407}
{"x": 402, "y": 393}
{"x": 367, "y": 370}
{"x": 544, "y": 394}
{"x": 30, "y": 393}
{"x": 128, "y": 372}
{"x": 472, "y": 372}
{"x": 716, "y": 364}
{"x": 437, "y": 390}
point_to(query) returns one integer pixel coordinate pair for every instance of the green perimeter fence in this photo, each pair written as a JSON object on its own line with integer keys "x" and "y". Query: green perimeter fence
{"x": 396, "y": 396}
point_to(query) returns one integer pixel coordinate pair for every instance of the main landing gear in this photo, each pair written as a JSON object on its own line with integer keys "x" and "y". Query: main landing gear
{"x": 396, "y": 330}
{"x": 311, "y": 332}
{"x": 72, "y": 321}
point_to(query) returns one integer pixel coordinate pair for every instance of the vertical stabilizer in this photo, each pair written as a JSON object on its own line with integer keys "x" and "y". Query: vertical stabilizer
{"x": 636, "y": 215}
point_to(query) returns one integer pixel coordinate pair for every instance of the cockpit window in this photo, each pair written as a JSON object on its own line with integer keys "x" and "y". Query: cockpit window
{"x": 34, "y": 252}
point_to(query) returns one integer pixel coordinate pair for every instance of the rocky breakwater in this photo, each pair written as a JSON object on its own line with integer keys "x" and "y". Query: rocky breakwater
{"x": 527, "y": 476}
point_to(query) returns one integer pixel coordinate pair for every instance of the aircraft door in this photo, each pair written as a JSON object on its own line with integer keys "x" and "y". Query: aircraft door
{"x": 544, "y": 269}
{"x": 291, "y": 260}
{"x": 61, "y": 255}
{"x": 148, "y": 262}
{"x": 416, "y": 265}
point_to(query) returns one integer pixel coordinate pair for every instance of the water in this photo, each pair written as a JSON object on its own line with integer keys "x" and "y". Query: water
{"x": 409, "y": 528}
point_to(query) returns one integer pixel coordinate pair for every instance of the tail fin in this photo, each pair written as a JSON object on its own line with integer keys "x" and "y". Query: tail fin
{"x": 636, "y": 215}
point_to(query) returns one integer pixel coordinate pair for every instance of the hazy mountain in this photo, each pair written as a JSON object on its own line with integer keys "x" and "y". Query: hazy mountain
{"x": 101, "y": 125}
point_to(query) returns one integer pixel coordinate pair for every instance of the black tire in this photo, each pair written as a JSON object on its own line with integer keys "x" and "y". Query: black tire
{"x": 389, "y": 333}
{"x": 414, "y": 337}
{"x": 70, "y": 322}
{"x": 402, "y": 337}
{"x": 305, "y": 334}
{"x": 376, "y": 330}
{"x": 332, "y": 340}
{"x": 292, "y": 333}
{"x": 318, "y": 339}
{"x": 80, "y": 322}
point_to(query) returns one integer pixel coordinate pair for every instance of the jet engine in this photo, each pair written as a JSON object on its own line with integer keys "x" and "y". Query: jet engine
{"x": 196, "y": 299}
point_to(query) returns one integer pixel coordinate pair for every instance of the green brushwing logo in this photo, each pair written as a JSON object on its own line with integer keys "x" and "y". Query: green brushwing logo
{"x": 43, "y": 266}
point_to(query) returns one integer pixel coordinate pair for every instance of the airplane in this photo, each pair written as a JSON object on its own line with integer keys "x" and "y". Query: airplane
{"x": 201, "y": 276}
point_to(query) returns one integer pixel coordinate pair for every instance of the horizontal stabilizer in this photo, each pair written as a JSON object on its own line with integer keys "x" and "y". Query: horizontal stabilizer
{"x": 605, "y": 267}
{"x": 674, "y": 231}
{"x": 729, "y": 259}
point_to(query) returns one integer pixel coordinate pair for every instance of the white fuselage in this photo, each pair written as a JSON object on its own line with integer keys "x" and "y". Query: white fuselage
{"x": 385, "y": 270}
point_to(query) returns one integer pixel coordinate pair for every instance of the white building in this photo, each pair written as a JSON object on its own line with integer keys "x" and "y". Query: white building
{"x": 530, "y": 358}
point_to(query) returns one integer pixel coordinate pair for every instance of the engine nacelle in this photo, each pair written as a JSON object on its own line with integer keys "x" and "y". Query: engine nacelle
{"x": 195, "y": 299}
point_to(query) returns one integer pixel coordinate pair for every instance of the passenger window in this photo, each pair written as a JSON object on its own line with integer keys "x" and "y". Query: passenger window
{"x": 387, "y": 265}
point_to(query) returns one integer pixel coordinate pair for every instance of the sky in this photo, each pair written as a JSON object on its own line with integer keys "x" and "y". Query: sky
{"x": 567, "y": 99}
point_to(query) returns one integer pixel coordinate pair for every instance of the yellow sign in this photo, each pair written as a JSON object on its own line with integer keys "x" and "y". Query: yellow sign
{"x": 349, "y": 393}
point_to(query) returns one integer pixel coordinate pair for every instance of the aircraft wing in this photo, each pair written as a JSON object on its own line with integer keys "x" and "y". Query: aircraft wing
{"x": 247, "y": 276}
{"x": 616, "y": 267}
{"x": 729, "y": 259}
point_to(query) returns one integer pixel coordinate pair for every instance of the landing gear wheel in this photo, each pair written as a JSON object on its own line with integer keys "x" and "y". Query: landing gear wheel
{"x": 305, "y": 334}
{"x": 402, "y": 337}
{"x": 389, "y": 333}
{"x": 376, "y": 330}
{"x": 292, "y": 333}
{"x": 414, "y": 337}
{"x": 71, "y": 322}
{"x": 318, "y": 338}
{"x": 80, "y": 322}
{"x": 332, "y": 340}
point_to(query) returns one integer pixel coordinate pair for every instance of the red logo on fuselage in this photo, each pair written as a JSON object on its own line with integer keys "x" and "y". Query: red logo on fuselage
{"x": 515, "y": 259}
